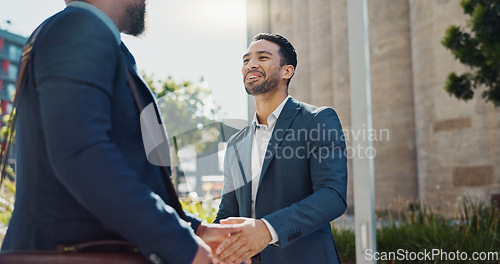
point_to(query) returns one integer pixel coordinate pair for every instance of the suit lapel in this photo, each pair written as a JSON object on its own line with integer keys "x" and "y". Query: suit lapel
{"x": 243, "y": 153}
{"x": 244, "y": 148}
{"x": 128, "y": 56}
{"x": 152, "y": 115}
{"x": 130, "y": 62}
{"x": 282, "y": 124}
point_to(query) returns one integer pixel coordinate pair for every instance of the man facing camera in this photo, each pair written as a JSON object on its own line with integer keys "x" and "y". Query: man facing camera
{"x": 285, "y": 174}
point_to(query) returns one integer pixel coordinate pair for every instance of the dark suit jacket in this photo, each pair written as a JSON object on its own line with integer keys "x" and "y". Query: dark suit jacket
{"x": 82, "y": 171}
{"x": 302, "y": 184}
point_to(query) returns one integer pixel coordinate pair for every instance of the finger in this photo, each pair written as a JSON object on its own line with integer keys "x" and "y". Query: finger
{"x": 219, "y": 232}
{"x": 246, "y": 257}
{"x": 232, "y": 220}
{"x": 229, "y": 246}
{"x": 216, "y": 260}
{"x": 227, "y": 229}
{"x": 237, "y": 256}
{"x": 225, "y": 244}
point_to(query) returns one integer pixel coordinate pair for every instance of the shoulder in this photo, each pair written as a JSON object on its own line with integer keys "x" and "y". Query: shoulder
{"x": 313, "y": 111}
{"x": 75, "y": 46}
{"x": 75, "y": 24}
{"x": 238, "y": 136}
{"x": 75, "y": 18}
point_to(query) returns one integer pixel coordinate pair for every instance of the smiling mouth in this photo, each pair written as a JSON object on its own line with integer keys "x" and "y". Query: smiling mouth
{"x": 253, "y": 77}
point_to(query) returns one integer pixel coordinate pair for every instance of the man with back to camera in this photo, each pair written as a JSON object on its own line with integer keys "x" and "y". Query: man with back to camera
{"x": 82, "y": 172}
{"x": 285, "y": 174}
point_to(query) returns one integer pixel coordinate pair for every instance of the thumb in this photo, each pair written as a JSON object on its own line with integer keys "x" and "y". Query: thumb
{"x": 232, "y": 220}
{"x": 228, "y": 229}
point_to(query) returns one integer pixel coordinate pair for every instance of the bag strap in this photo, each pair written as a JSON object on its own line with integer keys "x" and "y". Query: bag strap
{"x": 169, "y": 186}
{"x": 99, "y": 246}
{"x": 22, "y": 76}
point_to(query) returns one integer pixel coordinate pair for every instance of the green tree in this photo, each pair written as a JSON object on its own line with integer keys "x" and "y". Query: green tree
{"x": 189, "y": 112}
{"x": 477, "y": 46}
{"x": 190, "y": 117}
{"x": 8, "y": 188}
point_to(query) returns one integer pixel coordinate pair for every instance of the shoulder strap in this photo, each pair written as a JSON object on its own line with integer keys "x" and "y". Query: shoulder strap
{"x": 11, "y": 124}
{"x": 169, "y": 186}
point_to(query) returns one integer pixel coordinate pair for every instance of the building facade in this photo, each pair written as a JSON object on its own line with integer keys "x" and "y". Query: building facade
{"x": 11, "y": 48}
{"x": 429, "y": 146}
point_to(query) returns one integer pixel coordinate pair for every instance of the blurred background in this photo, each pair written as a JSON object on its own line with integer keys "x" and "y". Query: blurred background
{"x": 429, "y": 146}
{"x": 433, "y": 152}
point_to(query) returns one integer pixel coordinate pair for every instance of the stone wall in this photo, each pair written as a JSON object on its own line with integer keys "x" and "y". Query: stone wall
{"x": 429, "y": 146}
{"x": 458, "y": 142}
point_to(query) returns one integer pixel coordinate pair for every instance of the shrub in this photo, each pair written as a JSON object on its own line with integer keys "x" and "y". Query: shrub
{"x": 418, "y": 228}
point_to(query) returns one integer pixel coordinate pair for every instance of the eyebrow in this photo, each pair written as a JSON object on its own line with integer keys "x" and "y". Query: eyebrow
{"x": 259, "y": 52}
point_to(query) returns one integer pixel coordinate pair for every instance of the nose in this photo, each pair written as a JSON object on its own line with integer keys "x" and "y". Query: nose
{"x": 252, "y": 64}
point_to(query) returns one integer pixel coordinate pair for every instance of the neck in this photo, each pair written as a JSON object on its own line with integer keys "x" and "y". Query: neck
{"x": 110, "y": 9}
{"x": 268, "y": 102}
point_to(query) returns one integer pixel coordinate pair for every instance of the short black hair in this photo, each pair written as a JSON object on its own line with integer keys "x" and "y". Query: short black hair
{"x": 286, "y": 51}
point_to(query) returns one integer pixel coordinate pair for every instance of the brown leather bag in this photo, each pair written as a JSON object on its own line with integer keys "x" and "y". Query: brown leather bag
{"x": 80, "y": 258}
{"x": 99, "y": 252}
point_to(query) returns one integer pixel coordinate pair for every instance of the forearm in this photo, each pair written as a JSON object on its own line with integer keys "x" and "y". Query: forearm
{"x": 306, "y": 216}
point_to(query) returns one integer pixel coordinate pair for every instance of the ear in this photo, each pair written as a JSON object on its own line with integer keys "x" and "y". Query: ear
{"x": 289, "y": 71}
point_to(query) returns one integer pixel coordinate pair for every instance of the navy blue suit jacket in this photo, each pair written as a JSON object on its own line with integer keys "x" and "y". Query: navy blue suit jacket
{"x": 302, "y": 184}
{"x": 82, "y": 171}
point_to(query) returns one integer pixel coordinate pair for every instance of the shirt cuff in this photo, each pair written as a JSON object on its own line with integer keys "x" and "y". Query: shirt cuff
{"x": 274, "y": 235}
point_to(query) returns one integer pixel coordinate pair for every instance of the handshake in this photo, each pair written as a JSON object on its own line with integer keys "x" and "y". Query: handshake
{"x": 235, "y": 240}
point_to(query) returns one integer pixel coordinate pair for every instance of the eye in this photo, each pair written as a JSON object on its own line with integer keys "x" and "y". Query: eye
{"x": 263, "y": 58}
{"x": 245, "y": 61}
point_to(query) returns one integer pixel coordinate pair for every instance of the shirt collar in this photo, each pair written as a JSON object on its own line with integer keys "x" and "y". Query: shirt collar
{"x": 274, "y": 115}
{"x": 101, "y": 15}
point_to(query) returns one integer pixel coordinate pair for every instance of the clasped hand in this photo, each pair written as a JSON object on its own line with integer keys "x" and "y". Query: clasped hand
{"x": 240, "y": 247}
{"x": 235, "y": 241}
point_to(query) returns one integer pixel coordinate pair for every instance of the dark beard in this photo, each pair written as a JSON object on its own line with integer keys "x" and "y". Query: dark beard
{"x": 137, "y": 14}
{"x": 265, "y": 86}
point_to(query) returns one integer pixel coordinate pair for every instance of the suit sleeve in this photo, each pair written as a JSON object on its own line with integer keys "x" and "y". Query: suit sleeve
{"x": 328, "y": 170}
{"x": 76, "y": 62}
{"x": 229, "y": 204}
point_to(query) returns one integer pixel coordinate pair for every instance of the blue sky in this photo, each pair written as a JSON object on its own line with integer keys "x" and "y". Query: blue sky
{"x": 185, "y": 39}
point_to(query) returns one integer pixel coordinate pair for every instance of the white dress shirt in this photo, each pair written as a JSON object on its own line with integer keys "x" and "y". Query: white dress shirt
{"x": 260, "y": 142}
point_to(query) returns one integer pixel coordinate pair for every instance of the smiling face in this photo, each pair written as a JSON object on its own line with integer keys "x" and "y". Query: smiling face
{"x": 262, "y": 70}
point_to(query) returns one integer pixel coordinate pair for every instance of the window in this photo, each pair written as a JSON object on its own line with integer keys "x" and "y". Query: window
{"x": 15, "y": 53}
{"x": 12, "y": 72}
{"x": 5, "y": 68}
{"x": 11, "y": 90}
{"x": 4, "y": 93}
